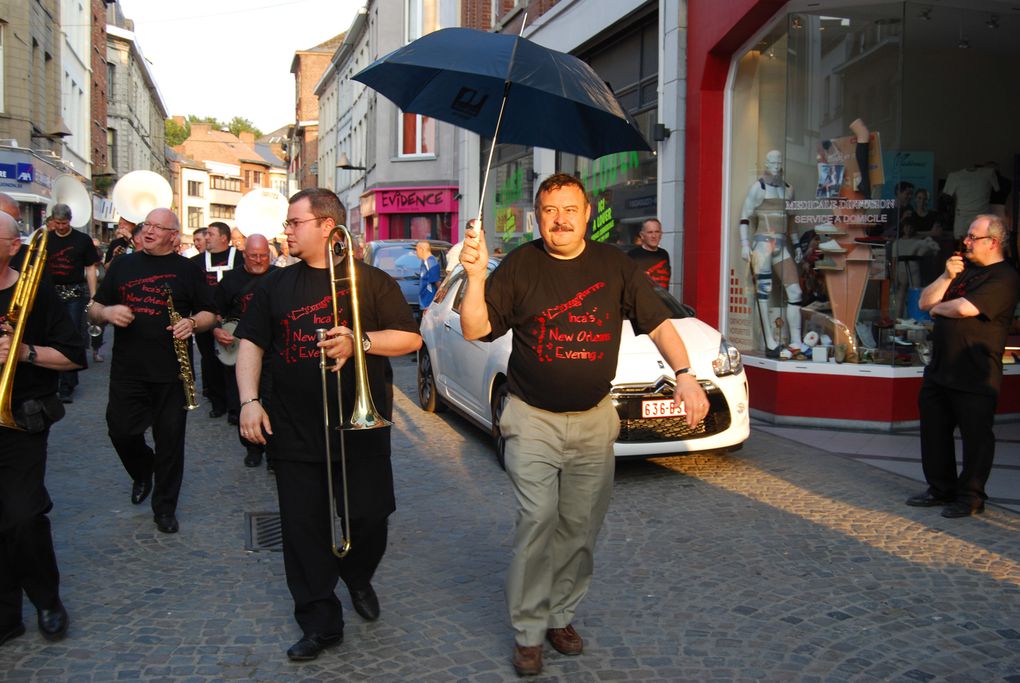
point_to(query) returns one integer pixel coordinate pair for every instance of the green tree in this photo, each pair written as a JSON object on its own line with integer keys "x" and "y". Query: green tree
{"x": 239, "y": 124}
{"x": 175, "y": 132}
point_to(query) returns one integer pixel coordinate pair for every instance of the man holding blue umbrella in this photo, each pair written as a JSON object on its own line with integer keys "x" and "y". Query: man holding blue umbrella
{"x": 565, "y": 299}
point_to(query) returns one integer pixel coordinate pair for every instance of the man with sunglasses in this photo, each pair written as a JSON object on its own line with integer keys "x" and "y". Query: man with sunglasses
{"x": 146, "y": 389}
{"x": 972, "y": 304}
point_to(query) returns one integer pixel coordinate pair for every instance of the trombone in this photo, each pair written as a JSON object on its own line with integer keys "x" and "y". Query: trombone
{"x": 17, "y": 316}
{"x": 364, "y": 415}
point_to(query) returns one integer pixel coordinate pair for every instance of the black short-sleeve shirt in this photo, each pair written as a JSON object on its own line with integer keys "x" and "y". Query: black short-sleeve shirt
{"x": 216, "y": 266}
{"x": 566, "y": 316}
{"x": 144, "y": 349}
{"x": 235, "y": 292}
{"x": 967, "y": 352}
{"x": 655, "y": 264}
{"x": 68, "y": 256}
{"x": 48, "y": 324}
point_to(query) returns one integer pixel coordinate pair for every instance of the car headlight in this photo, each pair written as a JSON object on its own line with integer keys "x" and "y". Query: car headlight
{"x": 727, "y": 361}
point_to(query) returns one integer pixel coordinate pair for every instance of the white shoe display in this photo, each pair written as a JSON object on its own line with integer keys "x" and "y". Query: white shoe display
{"x": 865, "y": 337}
{"x": 832, "y": 247}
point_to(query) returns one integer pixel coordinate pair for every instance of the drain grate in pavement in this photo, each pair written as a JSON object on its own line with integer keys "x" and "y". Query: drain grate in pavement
{"x": 263, "y": 531}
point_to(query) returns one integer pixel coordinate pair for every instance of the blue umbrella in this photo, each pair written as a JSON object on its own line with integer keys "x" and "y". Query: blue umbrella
{"x": 507, "y": 87}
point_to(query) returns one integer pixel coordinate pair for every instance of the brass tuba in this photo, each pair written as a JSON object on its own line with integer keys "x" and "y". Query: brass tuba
{"x": 364, "y": 415}
{"x": 17, "y": 315}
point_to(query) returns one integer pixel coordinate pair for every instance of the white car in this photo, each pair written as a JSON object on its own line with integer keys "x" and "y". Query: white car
{"x": 470, "y": 377}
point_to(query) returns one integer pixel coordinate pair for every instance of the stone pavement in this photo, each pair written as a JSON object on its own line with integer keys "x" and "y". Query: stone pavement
{"x": 778, "y": 562}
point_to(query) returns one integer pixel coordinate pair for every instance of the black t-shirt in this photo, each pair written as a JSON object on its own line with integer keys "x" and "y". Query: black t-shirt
{"x": 566, "y": 316}
{"x": 219, "y": 264}
{"x": 47, "y": 325}
{"x": 655, "y": 263}
{"x": 68, "y": 256}
{"x": 144, "y": 349}
{"x": 235, "y": 291}
{"x": 967, "y": 352}
{"x": 288, "y": 306}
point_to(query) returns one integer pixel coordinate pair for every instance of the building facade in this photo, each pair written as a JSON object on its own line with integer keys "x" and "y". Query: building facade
{"x": 76, "y": 84}
{"x": 307, "y": 67}
{"x": 136, "y": 111}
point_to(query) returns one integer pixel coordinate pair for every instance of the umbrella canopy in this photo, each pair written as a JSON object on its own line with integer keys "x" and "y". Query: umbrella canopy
{"x": 553, "y": 100}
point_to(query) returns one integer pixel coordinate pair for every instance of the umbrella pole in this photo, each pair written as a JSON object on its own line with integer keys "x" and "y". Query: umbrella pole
{"x": 499, "y": 122}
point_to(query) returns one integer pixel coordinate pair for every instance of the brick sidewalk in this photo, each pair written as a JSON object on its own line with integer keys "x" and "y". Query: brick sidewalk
{"x": 776, "y": 563}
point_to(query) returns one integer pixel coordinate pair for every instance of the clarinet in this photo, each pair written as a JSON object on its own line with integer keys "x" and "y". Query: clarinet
{"x": 181, "y": 349}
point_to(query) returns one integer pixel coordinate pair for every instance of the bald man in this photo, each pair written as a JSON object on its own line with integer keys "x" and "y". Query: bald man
{"x": 232, "y": 297}
{"x": 146, "y": 389}
{"x": 10, "y": 206}
{"x": 49, "y": 344}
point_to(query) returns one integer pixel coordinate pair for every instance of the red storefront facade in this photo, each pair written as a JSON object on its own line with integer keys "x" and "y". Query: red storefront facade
{"x": 720, "y": 36}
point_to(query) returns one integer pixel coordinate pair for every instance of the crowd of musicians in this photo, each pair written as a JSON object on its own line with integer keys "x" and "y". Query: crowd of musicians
{"x": 266, "y": 320}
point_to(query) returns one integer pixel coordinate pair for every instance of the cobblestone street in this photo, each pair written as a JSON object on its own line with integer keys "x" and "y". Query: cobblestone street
{"x": 779, "y": 562}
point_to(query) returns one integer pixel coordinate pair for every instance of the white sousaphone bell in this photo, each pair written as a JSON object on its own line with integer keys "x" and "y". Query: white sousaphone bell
{"x": 139, "y": 192}
{"x": 68, "y": 190}
{"x": 261, "y": 212}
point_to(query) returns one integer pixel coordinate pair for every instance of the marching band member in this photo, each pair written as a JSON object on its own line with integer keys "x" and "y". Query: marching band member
{"x": 146, "y": 389}
{"x": 281, "y": 322}
{"x": 232, "y": 297}
{"x": 50, "y": 343}
{"x": 218, "y": 259}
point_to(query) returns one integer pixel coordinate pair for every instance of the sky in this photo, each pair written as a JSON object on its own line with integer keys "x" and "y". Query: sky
{"x": 228, "y": 58}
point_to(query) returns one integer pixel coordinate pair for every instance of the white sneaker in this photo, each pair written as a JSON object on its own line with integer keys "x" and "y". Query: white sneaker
{"x": 828, "y": 229}
{"x": 832, "y": 247}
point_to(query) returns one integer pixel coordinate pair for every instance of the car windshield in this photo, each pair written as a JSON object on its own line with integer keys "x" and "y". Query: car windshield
{"x": 400, "y": 261}
{"x": 676, "y": 309}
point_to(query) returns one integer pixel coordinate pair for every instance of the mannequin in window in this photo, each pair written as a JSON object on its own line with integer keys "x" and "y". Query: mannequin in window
{"x": 972, "y": 189}
{"x": 767, "y": 250}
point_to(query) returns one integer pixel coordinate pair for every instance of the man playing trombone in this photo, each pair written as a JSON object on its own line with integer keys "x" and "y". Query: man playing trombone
{"x": 147, "y": 385}
{"x": 290, "y": 306}
{"x": 49, "y": 343}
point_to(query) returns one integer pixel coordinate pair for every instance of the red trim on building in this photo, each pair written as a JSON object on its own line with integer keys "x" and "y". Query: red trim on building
{"x": 715, "y": 31}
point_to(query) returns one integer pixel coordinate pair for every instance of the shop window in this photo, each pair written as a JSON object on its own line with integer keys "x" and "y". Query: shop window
{"x": 417, "y": 135}
{"x": 839, "y": 237}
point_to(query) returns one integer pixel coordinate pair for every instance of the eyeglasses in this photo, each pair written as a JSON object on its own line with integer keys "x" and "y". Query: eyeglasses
{"x": 975, "y": 238}
{"x": 157, "y": 226}
{"x": 294, "y": 222}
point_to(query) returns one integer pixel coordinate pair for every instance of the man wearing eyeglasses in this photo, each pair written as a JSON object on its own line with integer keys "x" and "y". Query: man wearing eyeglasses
{"x": 146, "y": 389}
{"x": 972, "y": 304}
{"x": 71, "y": 262}
{"x": 281, "y": 324}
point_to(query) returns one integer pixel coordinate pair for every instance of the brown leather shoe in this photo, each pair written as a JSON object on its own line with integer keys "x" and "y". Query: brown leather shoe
{"x": 565, "y": 640}
{"x": 527, "y": 660}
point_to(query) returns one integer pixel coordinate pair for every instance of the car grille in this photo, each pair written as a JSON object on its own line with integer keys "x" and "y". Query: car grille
{"x": 636, "y": 429}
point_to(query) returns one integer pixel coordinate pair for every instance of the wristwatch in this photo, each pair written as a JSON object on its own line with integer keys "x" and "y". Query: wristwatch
{"x": 366, "y": 342}
{"x": 31, "y": 354}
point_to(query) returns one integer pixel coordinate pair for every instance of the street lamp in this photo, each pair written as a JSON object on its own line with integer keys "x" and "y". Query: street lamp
{"x": 345, "y": 164}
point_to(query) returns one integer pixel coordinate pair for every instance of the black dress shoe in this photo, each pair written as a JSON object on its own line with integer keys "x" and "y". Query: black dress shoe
{"x": 309, "y": 647}
{"x": 11, "y": 632}
{"x": 962, "y": 508}
{"x": 366, "y": 602}
{"x": 232, "y": 418}
{"x": 253, "y": 459}
{"x": 140, "y": 490}
{"x": 167, "y": 523}
{"x": 214, "y": 413}
{"x": 53, "y": 622}
{"x": 927, "y": 499}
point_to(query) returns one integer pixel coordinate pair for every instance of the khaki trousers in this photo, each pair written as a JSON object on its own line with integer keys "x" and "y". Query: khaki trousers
{"x": 561, "y": 467}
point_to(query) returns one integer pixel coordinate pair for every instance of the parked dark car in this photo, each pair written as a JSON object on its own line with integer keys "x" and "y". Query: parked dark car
{"x": 398, "y": 258}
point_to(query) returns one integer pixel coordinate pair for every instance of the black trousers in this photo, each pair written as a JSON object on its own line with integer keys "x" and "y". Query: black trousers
{"x": 234, "y": 402}
{"x": 136, "y": 405}
{"x": 312, "y": 569}
{"x": 942, "y": 410}
{"x": 76, "y": 310}
{"x": 27, "y": 560}
{"x": 213, "y": 379}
